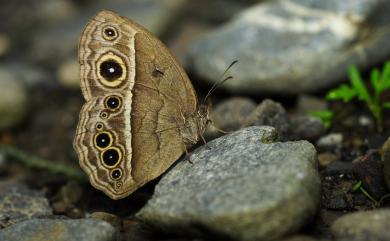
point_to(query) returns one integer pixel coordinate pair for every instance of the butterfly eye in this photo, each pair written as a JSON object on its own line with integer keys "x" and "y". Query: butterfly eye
{"x": 113, "y": 102}
{"x": 110, "y": 33}
{"x": 99, "y": 126}
{"x": 111, "y": 156}
{"x": 116, "y": 174}
{"x": 103, "y": 140}
{"x": 104, "y": 115}
{"x": 110, "y": 70}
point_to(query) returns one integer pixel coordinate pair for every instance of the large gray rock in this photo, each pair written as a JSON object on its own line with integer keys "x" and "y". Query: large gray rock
{"x": 18, "y": 203}
{"x": 294, "y": 46}
{"x": 245, "y": 186}
{"x": 13, "y": 100}
{"x": 24, "y": 20}
{"x": 363, "y": 226}
{"x": 154, "y": 15}
{"x": 60, "y": 230}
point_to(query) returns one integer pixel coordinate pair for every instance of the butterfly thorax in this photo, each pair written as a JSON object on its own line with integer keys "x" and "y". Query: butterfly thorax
{"x": 195, "y": 125}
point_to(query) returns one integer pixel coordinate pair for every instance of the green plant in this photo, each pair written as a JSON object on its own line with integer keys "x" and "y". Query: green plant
{"x": 358, "y": 187}
{"x": 325, "y": 116}
{"x": 380, "y": 81}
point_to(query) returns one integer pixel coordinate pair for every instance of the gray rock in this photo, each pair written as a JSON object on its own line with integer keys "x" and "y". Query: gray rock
{"x": 294, "y": 46}
{"x": 18, "y": 203}
{"x": 23, "y": 23}
{"x": 154, "y": 15}
{"x": 327, "y": 158}
{"x": 363, "y": 226}
{"x": 218, "y": 11}
{"x": 13, "y": 100}
{"x": 60, "y": 230}
{"x": 332, "y": 140}
{"x": 304, "y": 127}
{"x": 28, "y": 75}
{"x": 230, "y": 115}
{"x": 245, "y": 186}
{"x": 307, "y": 104}
{"x": 270, "y": 113}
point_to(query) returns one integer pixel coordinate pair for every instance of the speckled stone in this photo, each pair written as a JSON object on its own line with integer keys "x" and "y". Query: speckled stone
{"x": 363, "y": 226}
{"x": 60, "y": 230}
{"x": 294, "y": 46}
{"x": 245, "y": 186}
{"x": 17, "y": 203}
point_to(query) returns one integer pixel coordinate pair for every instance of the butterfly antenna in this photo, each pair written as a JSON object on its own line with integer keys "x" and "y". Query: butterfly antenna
{"x": 219, "y": 83}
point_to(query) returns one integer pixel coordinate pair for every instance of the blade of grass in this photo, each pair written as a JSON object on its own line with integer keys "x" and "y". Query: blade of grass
{"x": 43, "y": 164}
{"x": 358, "y": 85}
{"x": 344, "y": 92}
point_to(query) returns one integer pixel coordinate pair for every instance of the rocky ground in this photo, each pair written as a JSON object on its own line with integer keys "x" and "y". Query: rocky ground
{"x": 278, "y": 174}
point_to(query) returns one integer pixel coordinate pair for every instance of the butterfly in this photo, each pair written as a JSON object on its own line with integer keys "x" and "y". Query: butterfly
{"x": 141, "y": 112}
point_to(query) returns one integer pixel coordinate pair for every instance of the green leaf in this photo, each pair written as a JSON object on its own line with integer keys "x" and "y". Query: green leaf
{"x": 376, "y": 81}
{"x": 324, "y": 115}
{"x": 386, "y": 76}
{"x": 344, "y": 92}
{"x": 358, "y": 85}
{"x": 356, "y": 186}
{"x": 386, "y": 105}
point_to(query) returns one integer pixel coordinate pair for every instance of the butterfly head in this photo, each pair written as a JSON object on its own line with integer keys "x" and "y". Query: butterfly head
{"x": 204, "y": 115}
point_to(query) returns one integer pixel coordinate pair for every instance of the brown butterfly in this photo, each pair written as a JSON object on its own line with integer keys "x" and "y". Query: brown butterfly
{"x": 141, "y": 111}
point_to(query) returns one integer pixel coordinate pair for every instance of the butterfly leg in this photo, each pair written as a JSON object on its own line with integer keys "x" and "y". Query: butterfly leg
{"x": 220, "y": 130}
{"x": 187, "y": 153}
{"x": 205, "y": 142}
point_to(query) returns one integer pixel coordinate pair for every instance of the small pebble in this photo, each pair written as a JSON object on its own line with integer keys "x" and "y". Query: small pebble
{"x": 4, "y": 44}
{"x": 114, "y": 220}
{"x": 68, "y": 73}
{"x": 363, "y": 226}
{"x": 270, "y": 113}
{"x": 330, "y": 141}
{"x": 326, "y": 158}
{"x": 229, "y": 115}
{"x": 305, "y": 127}
{"x": 13, "y": 100}
{"x": 70, "y": 193}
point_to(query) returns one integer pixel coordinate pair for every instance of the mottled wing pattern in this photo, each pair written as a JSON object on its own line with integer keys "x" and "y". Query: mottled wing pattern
{"x": 163, "y": 97}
